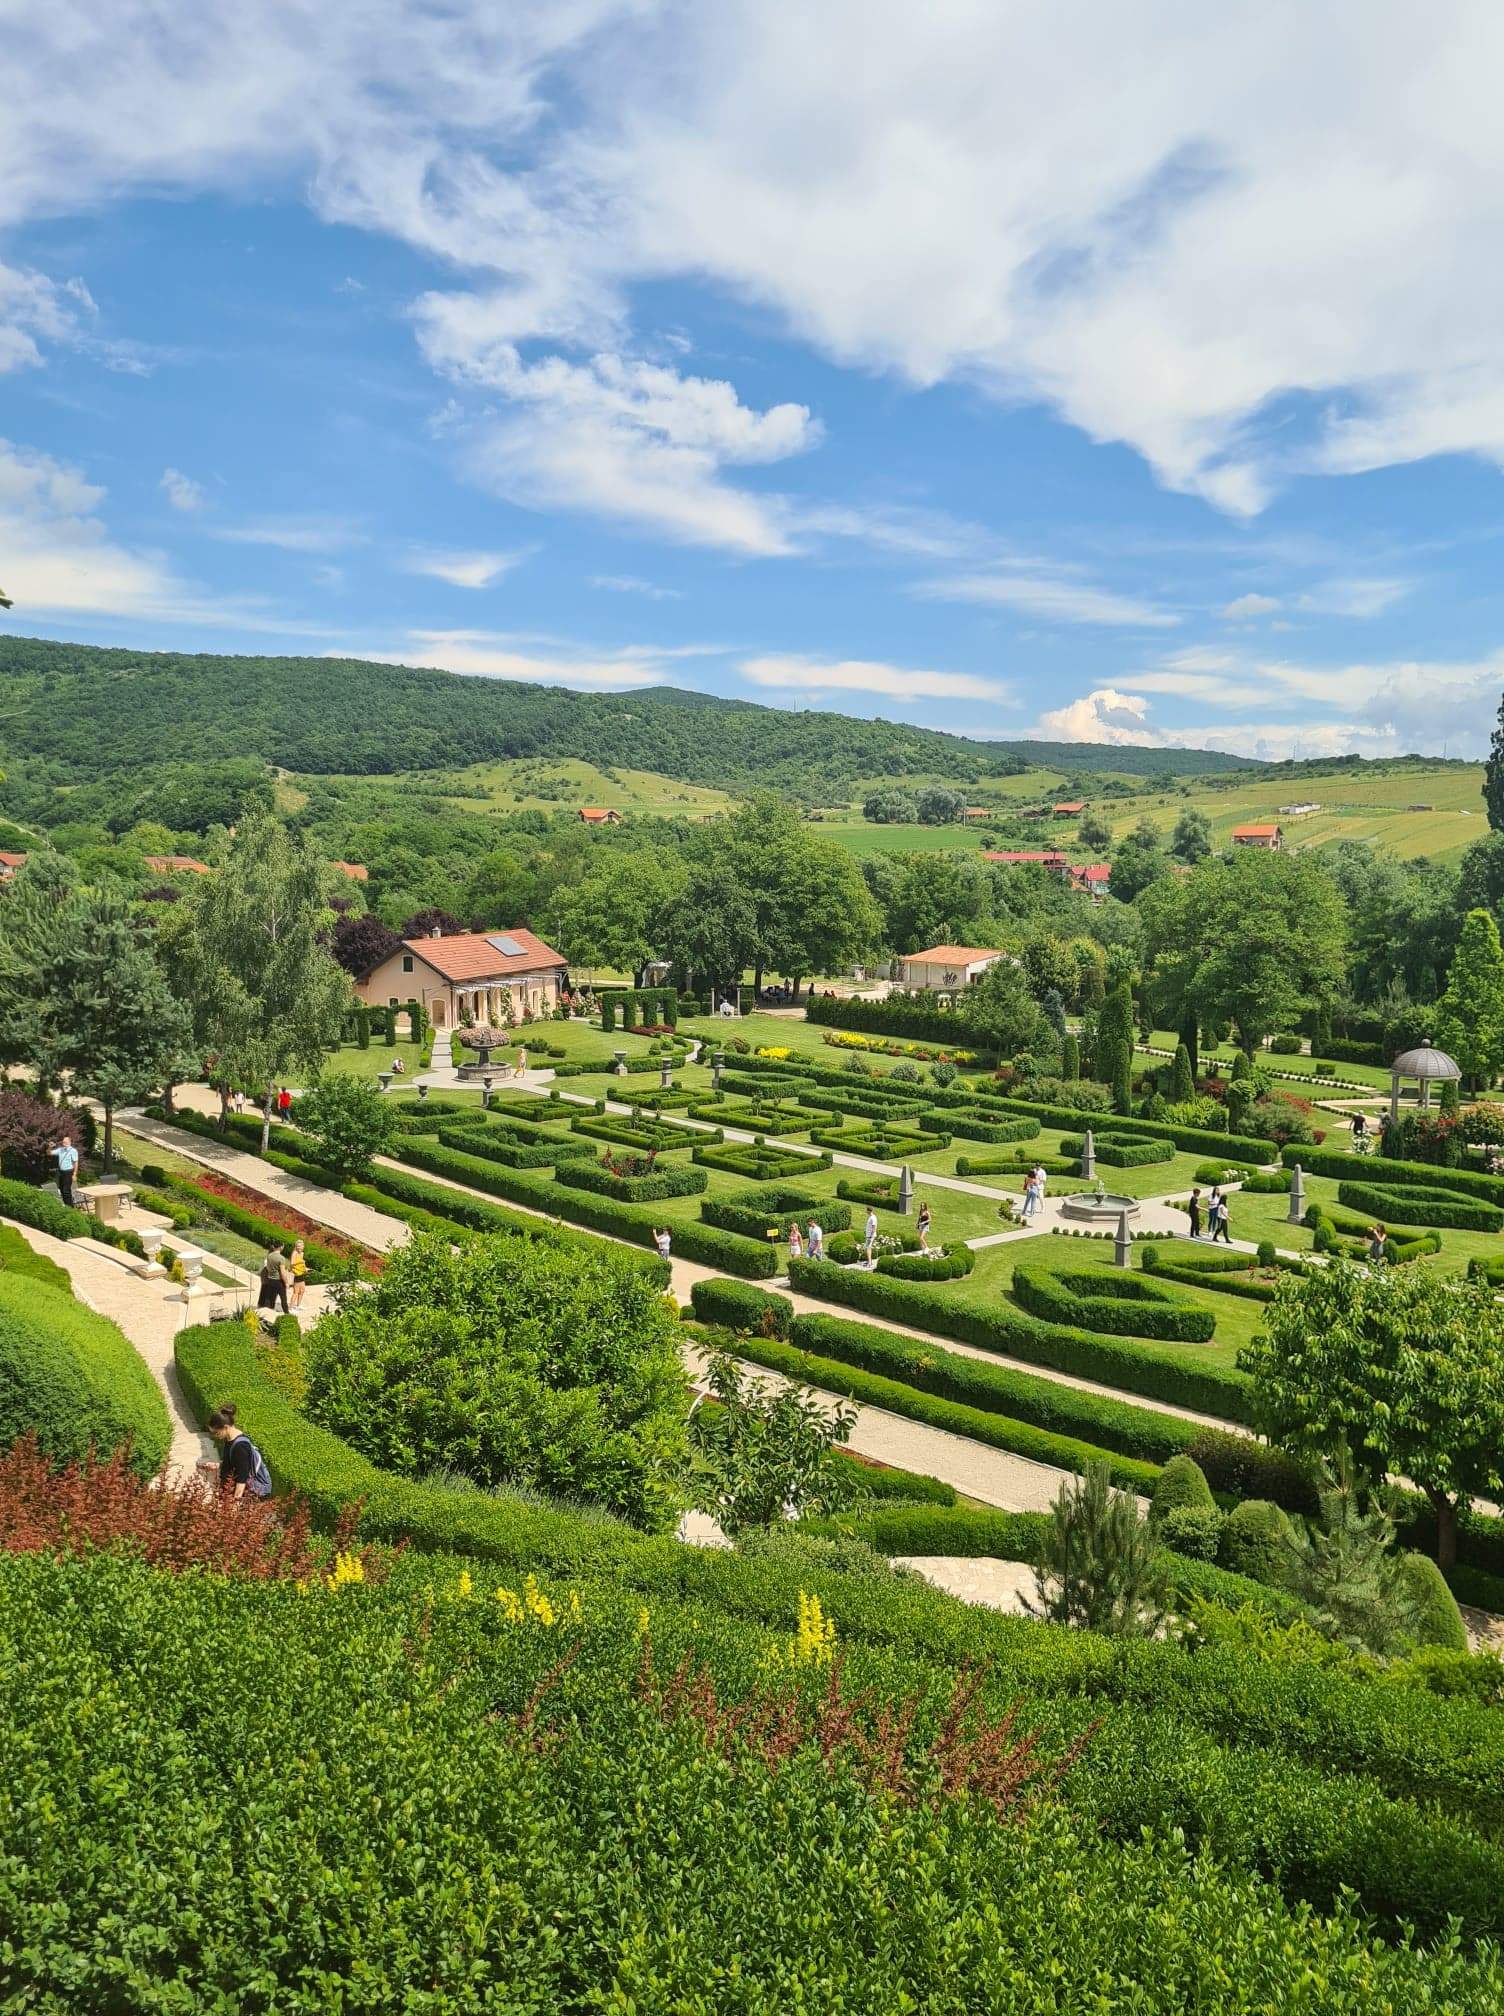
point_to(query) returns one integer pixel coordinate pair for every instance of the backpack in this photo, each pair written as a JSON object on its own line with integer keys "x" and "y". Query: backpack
{"x": 259, "y": 1484}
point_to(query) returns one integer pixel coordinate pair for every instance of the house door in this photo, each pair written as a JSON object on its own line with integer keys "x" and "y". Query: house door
{"x": 436, "y": 1011}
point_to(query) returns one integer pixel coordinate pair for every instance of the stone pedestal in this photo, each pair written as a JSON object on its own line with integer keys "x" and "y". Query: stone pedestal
{"x": 620, "y": 1067}
{"x": 906, "y": 1190}
{"x": 717, "y": 1066}
{"x": 1122, "y": 1245}
{"x": 1297, "y": 1209}
{"x": 1088, "y": 1155}
{"x": 666, "y": 1074}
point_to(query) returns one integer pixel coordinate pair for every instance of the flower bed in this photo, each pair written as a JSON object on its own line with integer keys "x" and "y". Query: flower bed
{"x": 330, "y": 1256}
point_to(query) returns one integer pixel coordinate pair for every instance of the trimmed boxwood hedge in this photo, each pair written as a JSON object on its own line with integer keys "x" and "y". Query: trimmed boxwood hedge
{"x": 974, "y": 1126}
{"x": 1381, "y": 1169}
{"x": 647, "y": 1189}
{"x": 952, "y": 1263}
{"x": 1121, "y": 1151}
{"x": 1015, "y": 1165}
{"x": 1122, "y": 1304}
{"x": 1194, "y": 1140}
{"x": 758, "y": 1164}
{"x": 879, "y": 1144}
{"x": 756, "y": 1119}
{"x": 74, "y": 1380}
{"x": 511, "y": 1154}
{"x": 1127, "y": 1363}
{"x": 662, "y": 1136}
{"x": 631, "y": 1222}
{"x": 45, "y": 1213}
{"x": 1418, "y": 1204}
{"x": 324, "y": 1263}
{"x": 876, "y": 1193}
{"x": 737, "y": 1305}
{"x": 753, "y": 1212}
{"x": 18, "y": 1259}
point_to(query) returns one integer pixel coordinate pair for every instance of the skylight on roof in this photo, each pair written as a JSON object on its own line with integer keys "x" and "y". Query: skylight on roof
{"x": 507, "y": 945}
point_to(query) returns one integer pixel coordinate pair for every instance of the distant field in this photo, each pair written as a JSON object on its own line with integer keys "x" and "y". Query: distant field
{"x": 524, "y": 784}
{"x": 1370, "y": 807}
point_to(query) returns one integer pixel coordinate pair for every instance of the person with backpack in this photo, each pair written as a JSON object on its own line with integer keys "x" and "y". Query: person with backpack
{"x": 242, "y": 1467}
{"x": 273, "y": 1281}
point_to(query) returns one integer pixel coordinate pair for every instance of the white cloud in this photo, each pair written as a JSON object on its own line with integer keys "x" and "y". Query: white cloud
{"x": 181, "y": 491}
{"x": 1245, "y": 243}
{"x": 58, "y": 556}
{"x": 630, "y": 441}
{"x": 464, "y": 570}
{"x": 35, "y": 310}
{"x": 294, "y": 535}
{"x": 629, "y": 584}
{"x": 1355, "y": 598}
{"x": 1245, "y": 607}
{"x": 490, "y": 654}
{"x": 1103, "y": 715}
{"x": 857, "y": 675}
{"x": 1051, "y": 598}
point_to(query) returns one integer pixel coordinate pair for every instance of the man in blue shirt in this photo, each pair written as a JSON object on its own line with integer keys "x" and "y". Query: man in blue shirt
{"x": 65, "y": 1155}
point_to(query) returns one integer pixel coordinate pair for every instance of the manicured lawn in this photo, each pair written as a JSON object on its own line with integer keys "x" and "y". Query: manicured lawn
{"x": 1265, "y": 1217}
{"x": 353, "y": 1062}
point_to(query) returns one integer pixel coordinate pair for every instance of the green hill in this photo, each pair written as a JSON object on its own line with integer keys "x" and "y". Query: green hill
{"x": 80, "y": 712}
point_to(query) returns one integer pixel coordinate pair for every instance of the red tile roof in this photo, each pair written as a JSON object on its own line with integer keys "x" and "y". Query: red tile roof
{"x": 1095, "y": 875}
{"x": 1069, "y": 805}
{"x": 953, "y": 955}
{"x": 470, "y": 955}
{"x": 176, "y": 864}
{"x": 1050, "y": 856}
{"x": 596, "y": 815}
{"x": 354, "y": 870}
{"x": 1254, "y": 832}
{"x": 12, "y": 860}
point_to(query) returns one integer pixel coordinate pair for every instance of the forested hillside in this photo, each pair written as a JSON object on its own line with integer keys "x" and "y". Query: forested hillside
{"x": 87, "y": 712}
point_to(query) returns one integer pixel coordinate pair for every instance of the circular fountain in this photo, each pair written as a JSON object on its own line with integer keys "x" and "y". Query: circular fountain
{"x": 1099, "y": 1206}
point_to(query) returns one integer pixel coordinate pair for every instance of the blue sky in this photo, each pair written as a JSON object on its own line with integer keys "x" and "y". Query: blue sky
{"x": 1117, "y": 374}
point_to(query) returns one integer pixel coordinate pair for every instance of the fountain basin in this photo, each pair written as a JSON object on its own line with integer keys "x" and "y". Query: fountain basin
{"x": 1098, "y": 1207}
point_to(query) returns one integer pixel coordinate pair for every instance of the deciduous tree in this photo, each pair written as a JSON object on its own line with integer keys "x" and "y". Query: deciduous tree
{"x": 1470, "y": 1015}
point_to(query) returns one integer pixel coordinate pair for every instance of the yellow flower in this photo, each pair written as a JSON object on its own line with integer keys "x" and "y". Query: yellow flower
{"x": 348, "y": 1568}
{"x": 815, "y": 1639}
{"x": 511, "y": 1608}
{"x": 466, "y": 1585}
{"x": 537, "y": 1603}
{"x": 642, "y": 1621}
{"x": 574, "y": 1605}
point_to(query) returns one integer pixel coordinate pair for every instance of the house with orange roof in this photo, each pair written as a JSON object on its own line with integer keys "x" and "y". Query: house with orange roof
{"x": 470, "y": 976}
{"x": 1022, "y": 857}
{"x": 946, "y": 967}
{"x": 354, "y": 869}
{"x": 1069, "y": 808}
{"x": 1257, "y": 835}
{"x": 600, "y": 815}
{"x": 9, "y": 863}
{"x": 1092, "y": 877}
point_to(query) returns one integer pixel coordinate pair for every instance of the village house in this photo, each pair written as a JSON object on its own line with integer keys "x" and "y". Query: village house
{"x": 1301, "y": 811}
{"x": 1069, "y": 808}
{"x": 9, "y": 863}
{"x": 600, "y": 815}
{"x": 472, "y": 976}
{"x": 354, "y": 869}
{"x": 1019, "y": 857}
{"x": 946, "y": 967}
{"x": 1260, "y": 835}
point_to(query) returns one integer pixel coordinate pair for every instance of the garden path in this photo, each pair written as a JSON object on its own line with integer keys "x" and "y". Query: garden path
{"x": 359, "y": 1221}
{"x": 142, "y": 1310}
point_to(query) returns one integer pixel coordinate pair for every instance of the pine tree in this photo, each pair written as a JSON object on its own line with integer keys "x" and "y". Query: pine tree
{"x": 1182, "y": 1085}
{"x": 1098, "y": 1564}
{"x": 1070, "y": 1059}
{"x": 1345, "y": 1568}
{"x": 1190, "y": 1037}
{"x": 1470, "y": 1016}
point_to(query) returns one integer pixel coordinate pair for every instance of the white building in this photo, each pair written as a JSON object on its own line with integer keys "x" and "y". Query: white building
{"x": 947, "y": 967}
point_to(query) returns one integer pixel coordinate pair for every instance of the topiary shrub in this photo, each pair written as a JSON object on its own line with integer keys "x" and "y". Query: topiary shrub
{"x": 72, "y": 1379}
{"x": 1254, "y": 1539}
{"x": 1192, "y": 1530}
{"x": 1438, "y": 1621}
{"x": 1182, "y": 1487}
{"x": 1285, "y": 1044}
{"x": 1266, "y": 1253}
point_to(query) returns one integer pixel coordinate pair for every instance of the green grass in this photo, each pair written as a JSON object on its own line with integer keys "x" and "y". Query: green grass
{"x": 1264, "y": 1216}
{"x": 564, "y": 784}
{"x": 350, "y": 1061}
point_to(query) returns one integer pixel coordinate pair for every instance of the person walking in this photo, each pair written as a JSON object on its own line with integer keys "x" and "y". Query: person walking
{"x": 922, "y": 1227}
{"x": 1217, "y": 1218}
{"x": 796, "y": 1242}
{"x": 1041, "y": 1184}
{"x": 274, "y": 1278}
{"x": 299, "y": 1270}
{"x": 1031, "y": 1193}
{"x": 869, "y": 1238}
{"x": 242, "y": 1467}
{"x": 284, "y": 1103}
{"x": 521, "y": 1060}
{"x": 663, "y": 1242}
{"x": 816, "y": 1240}
{"x": 65, "y": 1155}
{"x": 1194, "y": 1208}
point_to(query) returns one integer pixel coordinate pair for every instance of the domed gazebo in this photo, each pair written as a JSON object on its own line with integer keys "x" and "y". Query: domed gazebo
{"x": 1427, "y": 1066}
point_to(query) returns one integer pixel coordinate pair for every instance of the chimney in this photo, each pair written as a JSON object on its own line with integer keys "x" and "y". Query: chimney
{"x": 434, "y": 931}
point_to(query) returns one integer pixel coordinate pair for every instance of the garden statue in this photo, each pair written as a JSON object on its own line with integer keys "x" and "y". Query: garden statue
{"x": 1089, "y": 1156}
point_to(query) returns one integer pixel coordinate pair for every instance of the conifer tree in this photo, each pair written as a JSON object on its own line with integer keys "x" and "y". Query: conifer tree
{"x": 1470, "y": 1017}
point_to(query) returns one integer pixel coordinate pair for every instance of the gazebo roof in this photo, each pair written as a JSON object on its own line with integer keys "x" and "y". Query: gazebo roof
{"x": 1425, "y": 1062}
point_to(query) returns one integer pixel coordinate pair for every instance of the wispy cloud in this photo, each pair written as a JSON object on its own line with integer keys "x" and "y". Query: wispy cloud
{"x": 182, "y": 492}
{"x": 630, "y": 584}
{"x": 861, "y": 675}
{"x": 1050, "y": 598}
{"x": 1244, "y": 608}
{"x": 464, "y": 570}
{"x": 294, "y": 535}
{"x": 491, "y": 654}
{"x": 1355, "y": 598}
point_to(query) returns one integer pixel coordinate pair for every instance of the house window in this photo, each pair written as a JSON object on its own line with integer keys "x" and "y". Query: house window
{"x": 391, "y": 1001}
{"x": 407, "y": 962}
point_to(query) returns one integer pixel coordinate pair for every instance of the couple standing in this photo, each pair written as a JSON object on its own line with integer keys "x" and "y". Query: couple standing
{"x": 1034, "y": 1192}
{"x": 1216, "y": 1216}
